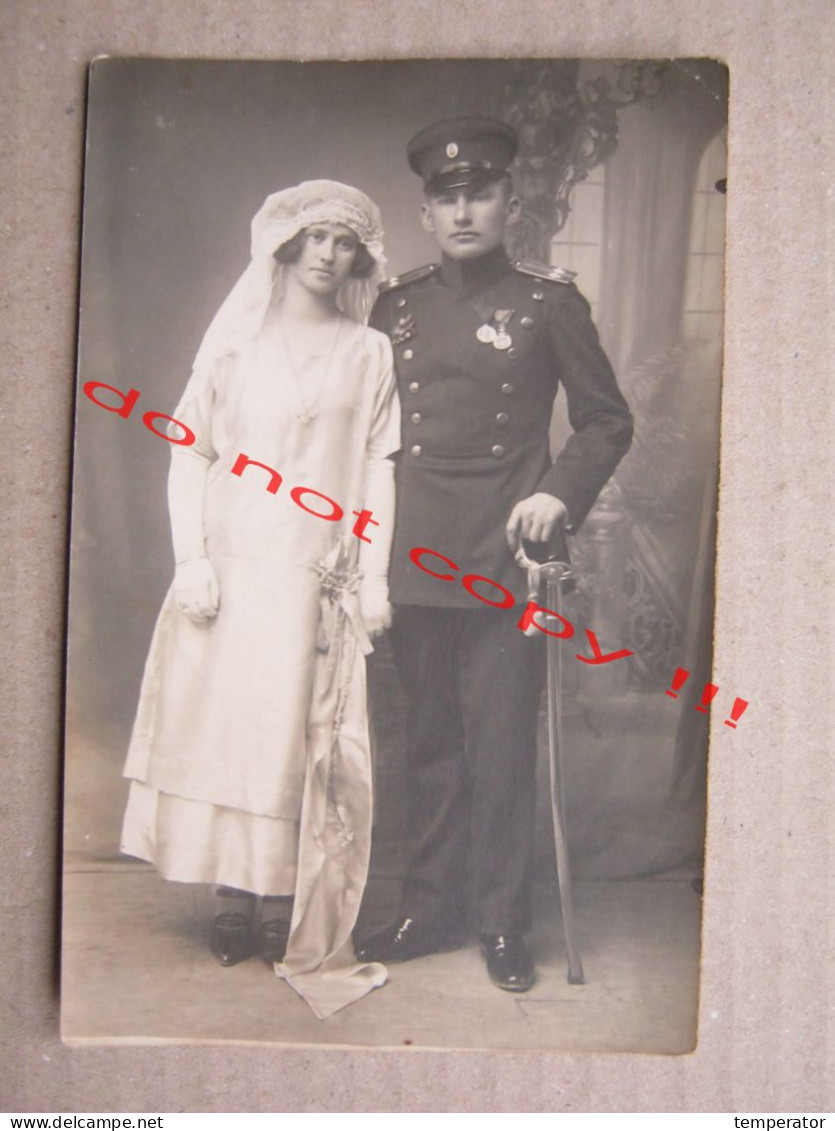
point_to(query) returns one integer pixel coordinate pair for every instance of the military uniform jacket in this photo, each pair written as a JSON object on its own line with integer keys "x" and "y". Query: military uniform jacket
{"x": 476, "y": 417}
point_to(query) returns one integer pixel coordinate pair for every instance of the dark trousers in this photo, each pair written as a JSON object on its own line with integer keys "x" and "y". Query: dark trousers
{"x": 473, "y": 683}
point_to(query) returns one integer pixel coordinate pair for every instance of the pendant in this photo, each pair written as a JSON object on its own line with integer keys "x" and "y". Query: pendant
{"x": 502, "y": 341}
{"x": 486, "y": 333}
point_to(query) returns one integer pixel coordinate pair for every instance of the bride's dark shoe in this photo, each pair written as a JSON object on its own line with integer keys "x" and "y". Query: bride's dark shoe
{"x": 231, "y": 938}
{"x": 272, "y": 939}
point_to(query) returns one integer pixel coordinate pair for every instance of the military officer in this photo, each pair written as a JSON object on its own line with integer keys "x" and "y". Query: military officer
{"x": 481, "y": 344}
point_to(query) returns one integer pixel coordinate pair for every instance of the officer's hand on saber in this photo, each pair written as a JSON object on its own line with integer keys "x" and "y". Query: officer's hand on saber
{"x": 535, "y": 519}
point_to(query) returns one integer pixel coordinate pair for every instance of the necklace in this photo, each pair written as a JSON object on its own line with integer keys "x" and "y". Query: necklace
{"x": 309, "y": 409}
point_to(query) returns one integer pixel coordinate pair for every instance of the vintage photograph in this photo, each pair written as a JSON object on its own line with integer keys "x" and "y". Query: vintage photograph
{"x": 392, "y": 553}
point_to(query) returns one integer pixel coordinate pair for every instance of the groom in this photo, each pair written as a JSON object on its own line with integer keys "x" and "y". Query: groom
{"x": 481, "y": 345}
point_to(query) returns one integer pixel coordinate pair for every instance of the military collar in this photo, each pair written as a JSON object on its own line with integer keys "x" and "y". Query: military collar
{"x": 473, "y": 274}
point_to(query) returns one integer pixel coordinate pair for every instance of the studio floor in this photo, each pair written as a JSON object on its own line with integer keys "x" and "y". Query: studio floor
{"x": 136, "y": 964}
{"x": 136, "y": 968}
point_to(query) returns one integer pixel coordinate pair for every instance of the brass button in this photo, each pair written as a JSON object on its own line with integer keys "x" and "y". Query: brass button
{"x": 513, "y": 353}
{"x": 507, "y": 388}
{"x": 502, "y": 418}
{"x": 401, "y": 302}
{"x": 408, "y": 355}
{"x": 414, "y": 386}
{"x": 415, "y": 418}
{"x": 416, "y": 449}
{"x": 538, "y": 296}
{"x": 498, "y": 451}
{"x": 526, "y": 322}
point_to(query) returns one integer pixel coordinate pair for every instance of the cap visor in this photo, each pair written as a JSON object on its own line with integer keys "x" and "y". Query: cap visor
{"x": 467, "y": 177}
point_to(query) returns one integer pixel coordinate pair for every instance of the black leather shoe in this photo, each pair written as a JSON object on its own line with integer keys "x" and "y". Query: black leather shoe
{"x": 231, "y": 939}
{"x": 509, "y": 962}
{"x": 272, "y": 939}
{"x": 407, "y": 939}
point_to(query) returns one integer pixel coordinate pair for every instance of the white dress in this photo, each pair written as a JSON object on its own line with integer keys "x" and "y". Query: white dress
{"x": 249, "y": 757}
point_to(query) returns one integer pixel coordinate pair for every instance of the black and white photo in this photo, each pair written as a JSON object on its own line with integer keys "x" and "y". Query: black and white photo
{"x": 365, "y": 350}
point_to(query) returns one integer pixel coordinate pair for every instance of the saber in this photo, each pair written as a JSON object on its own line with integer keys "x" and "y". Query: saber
{"x": 557, "y": 575}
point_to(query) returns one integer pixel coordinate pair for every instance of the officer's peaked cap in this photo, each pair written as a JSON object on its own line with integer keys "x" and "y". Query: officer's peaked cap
{"x": 462, "y": 151}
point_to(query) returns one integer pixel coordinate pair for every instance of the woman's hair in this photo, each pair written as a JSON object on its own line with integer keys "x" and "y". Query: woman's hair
{"x": 290, "y": 251}
{"x": 280, "y": 223}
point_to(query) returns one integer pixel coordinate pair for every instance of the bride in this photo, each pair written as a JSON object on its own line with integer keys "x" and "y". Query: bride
{"x": 249, "y": 760}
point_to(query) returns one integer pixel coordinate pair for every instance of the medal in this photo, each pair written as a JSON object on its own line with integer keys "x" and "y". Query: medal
{"x": 502, "y": 340}
{"x": 494, "y": 331}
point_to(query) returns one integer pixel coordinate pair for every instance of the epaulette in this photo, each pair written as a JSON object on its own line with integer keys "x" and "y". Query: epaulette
{"x": 409, "y": 277}
{"x": 543, "y": 271}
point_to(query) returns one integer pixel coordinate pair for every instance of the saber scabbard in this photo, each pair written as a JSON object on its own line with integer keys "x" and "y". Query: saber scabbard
{"x": 558, "y": 579}
{"x": 556, "y": 574}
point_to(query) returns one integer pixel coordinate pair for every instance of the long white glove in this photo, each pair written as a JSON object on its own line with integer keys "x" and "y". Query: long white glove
{"x": 196, "y": 587}
{"x": 374, "y": 555}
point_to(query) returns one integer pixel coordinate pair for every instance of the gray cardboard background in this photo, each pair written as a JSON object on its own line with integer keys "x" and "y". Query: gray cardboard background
{"x": 767, "y": 970}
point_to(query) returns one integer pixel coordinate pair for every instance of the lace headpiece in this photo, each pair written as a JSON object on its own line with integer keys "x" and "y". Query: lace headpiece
{"x": 281, "y": 217}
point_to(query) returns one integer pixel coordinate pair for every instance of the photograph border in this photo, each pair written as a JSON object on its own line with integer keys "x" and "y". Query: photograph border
{"x": 766, "y": 964}
{"x": 157, "y": 210}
